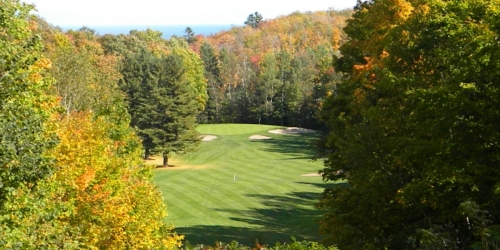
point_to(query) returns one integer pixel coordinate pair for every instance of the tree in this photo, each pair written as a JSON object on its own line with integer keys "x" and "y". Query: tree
{"x": 214, "y": 83}
{"x": 193, "y": 69}
{"x": 86, "y": 79}
{"x": 89, "y": 190}
{"x": 25, "y": 107}
{"x": 100, "y": 196}
{"x": 303, "y": 44}
{"x": 162, "y": 104}
{"x": 412, "y": 128}
{"x": 253, "y": 20}
{"x": 189, "y": 36}
{"x": 178, "y": 128}
{"x": 112, "y": 200}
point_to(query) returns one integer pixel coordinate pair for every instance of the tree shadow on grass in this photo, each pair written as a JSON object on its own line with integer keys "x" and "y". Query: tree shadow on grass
{"x": 301, "y": 146}
{"x": 276, "y": 219}
{"x": 208, "y": 235}
{"x": 326, "y": 184}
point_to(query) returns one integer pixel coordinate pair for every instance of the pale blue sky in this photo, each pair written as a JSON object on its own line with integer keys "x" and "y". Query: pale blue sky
{"x": 178, "y": 12}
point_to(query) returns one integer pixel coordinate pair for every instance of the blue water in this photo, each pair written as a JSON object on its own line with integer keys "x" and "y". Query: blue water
{"x": 167, "y": 30}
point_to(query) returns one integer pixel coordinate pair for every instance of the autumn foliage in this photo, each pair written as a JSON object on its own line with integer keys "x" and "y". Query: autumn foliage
{"x": 414, "y": 128}
{"x": 70, "y": 170}
{"x": 110, "y": 196}
{"x": 276, "y": 72}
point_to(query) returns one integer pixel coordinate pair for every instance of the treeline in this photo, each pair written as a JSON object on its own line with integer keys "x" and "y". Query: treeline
{"x": 275, "y": 71}
{"x": 414, "y": 128}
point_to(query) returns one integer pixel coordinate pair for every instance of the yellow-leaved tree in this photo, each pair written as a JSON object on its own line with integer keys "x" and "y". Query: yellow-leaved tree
{"x": 86, "y": 190}
{"x": 99, "y": 197}
{"x": 110, "y": 199}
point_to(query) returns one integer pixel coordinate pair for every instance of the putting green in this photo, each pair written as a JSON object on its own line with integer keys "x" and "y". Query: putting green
{"x": 233, "y": 188}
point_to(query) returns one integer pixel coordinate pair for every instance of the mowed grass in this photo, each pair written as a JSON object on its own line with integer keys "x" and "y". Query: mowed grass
{"x": 233, "y": 188}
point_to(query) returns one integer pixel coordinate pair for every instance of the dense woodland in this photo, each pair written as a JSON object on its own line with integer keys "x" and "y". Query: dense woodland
{"x": 414, "y": 128}
{"x": 405, "y": 91}
{"x": 273, "y": 72}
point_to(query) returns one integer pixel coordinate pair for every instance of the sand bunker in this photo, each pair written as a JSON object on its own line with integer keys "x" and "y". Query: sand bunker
{"x": 259, "y": 137}
{"x": 208, "y": 137}
{"x": 292, "y": 130}
{"x": 311, "y": 175}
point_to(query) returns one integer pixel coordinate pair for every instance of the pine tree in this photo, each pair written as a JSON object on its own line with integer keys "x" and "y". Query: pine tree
{"x": 254, "y": 20}
{"x": 178, "y": 126}
{"x": 190, "y": 36}
{"x": 212, "y": 74}
{"x": 162, "y": 104}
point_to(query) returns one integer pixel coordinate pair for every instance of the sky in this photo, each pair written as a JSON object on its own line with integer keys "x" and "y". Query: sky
{"x": 163, "y": 12}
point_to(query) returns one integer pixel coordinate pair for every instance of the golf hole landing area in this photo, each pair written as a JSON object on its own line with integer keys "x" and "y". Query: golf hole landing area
{"x": 244, "y": 185}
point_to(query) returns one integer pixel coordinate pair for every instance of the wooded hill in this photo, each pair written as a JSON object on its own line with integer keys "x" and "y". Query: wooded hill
{"x": 275, "y": 72}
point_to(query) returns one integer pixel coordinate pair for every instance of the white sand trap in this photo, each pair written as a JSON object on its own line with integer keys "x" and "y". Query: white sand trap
{"x": 259, "y": 137}
{"x": 311, "y": 175}
{"x": 208, "y": 137}
{"x": 292, "y": 130}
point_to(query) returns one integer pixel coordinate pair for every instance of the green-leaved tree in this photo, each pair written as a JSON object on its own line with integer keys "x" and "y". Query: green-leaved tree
{"x": 414, "y": 128}
{"x": 24, "y": 104}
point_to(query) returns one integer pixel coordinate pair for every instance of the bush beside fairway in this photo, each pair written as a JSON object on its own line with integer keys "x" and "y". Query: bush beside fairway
{"x": 233, "y": 188}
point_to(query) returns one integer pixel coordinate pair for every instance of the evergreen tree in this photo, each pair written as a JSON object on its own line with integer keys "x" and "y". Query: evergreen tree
{"x": 178, "y": 126}
{"x": 190, "y": 36}
{"x": 212, "y": 74}
{"x": 162, "y": 105}
{"x": 254, "y": 20}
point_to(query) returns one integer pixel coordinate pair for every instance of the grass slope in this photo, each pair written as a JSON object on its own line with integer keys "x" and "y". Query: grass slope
{"x": 269, "y": 200}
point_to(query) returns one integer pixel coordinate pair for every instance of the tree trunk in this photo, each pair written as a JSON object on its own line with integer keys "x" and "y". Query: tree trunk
{"x": 146, "y": 154}
{"x": 165, "y": 160}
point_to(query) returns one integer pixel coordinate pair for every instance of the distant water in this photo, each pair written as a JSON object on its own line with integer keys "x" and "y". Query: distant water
{"x": 167, "y": 30}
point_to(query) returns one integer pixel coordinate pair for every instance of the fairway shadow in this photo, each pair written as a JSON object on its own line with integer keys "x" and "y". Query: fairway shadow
{"x": 280, "y": 218}
{"x": 302, "y": 146}
{"x": 326, "y": 184}
{"x": 208, "y": 235}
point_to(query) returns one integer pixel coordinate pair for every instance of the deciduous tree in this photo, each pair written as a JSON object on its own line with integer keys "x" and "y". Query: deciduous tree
{"x": 412, "y": 127}
{"x": 25, "y": 107}
{"x": 193, "y": 69}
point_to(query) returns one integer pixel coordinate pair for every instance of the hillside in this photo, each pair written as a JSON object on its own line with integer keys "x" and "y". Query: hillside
{"x": 276, "y": 73}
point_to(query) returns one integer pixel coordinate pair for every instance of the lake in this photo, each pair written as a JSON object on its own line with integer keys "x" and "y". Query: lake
{"x": 167, "y": 30}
